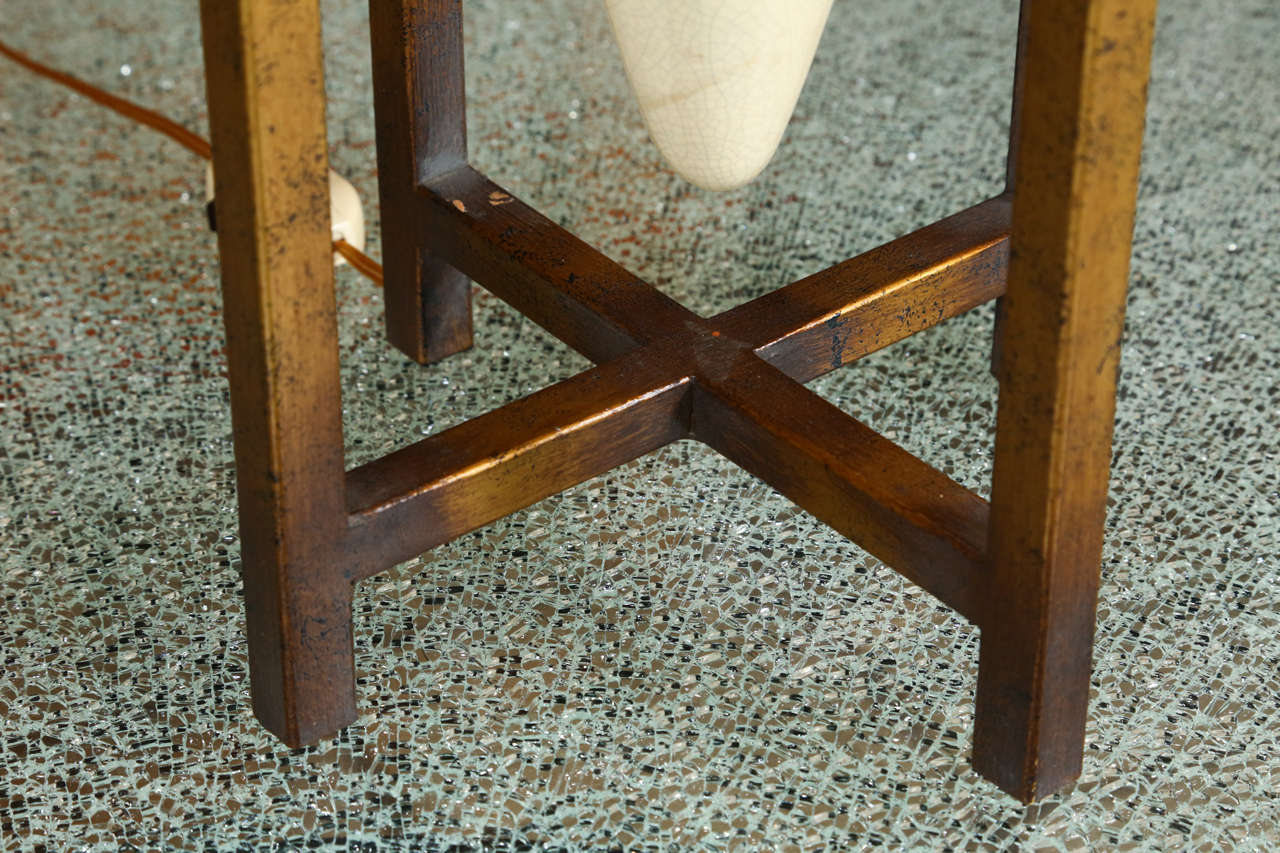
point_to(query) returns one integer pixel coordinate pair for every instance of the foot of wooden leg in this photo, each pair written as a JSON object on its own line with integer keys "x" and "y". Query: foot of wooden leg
{"x": 301, "y": 668}
{"x": 428, "y": 306}
{"x": 1031, "y": 709}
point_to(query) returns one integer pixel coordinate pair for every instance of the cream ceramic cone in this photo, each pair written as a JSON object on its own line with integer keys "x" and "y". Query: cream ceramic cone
{"x": 717, "y": 80}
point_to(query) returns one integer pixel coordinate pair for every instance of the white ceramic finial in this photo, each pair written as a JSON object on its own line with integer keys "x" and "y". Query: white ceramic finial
{"x": 717, "y": 80}
{"x": 346, "y": 215}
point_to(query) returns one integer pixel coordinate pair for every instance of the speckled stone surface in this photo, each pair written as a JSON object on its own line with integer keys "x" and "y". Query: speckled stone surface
{"x": 670, "y": 657}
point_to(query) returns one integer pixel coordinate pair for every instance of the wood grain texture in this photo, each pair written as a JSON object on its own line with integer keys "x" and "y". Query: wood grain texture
{"x": 421, "y": 116}
{"x": 444, "y": 486}
{"x": 266, "y": 114}
{"x": 1080, "y": 122}
{"x": 572, "y": 290}
{"x": 856, "y": 307}
{"x": 916, "y": 519}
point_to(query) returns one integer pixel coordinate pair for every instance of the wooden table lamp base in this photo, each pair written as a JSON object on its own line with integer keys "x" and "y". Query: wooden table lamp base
{"x": 1055, "y": 246}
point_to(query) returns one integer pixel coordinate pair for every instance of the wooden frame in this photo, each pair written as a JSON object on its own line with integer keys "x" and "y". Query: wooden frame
{"x": 1055, "y": 245}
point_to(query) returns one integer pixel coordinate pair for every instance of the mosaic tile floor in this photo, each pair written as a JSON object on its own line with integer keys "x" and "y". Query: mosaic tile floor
{"x": 670, "y": 657}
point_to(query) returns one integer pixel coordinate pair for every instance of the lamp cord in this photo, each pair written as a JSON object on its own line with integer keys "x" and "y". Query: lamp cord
{"x": 194, "y": 143}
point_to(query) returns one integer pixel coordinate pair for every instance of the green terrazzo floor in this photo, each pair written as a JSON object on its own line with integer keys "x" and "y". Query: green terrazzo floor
{"x": 670, "y": 657}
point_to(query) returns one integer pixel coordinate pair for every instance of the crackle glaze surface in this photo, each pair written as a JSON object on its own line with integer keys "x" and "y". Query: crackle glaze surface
{"x": 669, "y": 657}
{"x": 716, "y": 80}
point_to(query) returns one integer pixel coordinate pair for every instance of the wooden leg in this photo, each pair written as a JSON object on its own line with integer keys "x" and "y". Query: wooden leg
{"x": 266, "y": 113}
{"x": 1084, "y": 67}
{"x": 420, "y": 105}
{"x": 1011, "y": 166}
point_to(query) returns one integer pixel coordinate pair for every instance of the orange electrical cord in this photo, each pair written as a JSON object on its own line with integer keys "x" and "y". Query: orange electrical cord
{"x": 359, "y": 261}
{"x": 194, "y": 143}
{"x": 128, "y": 109}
